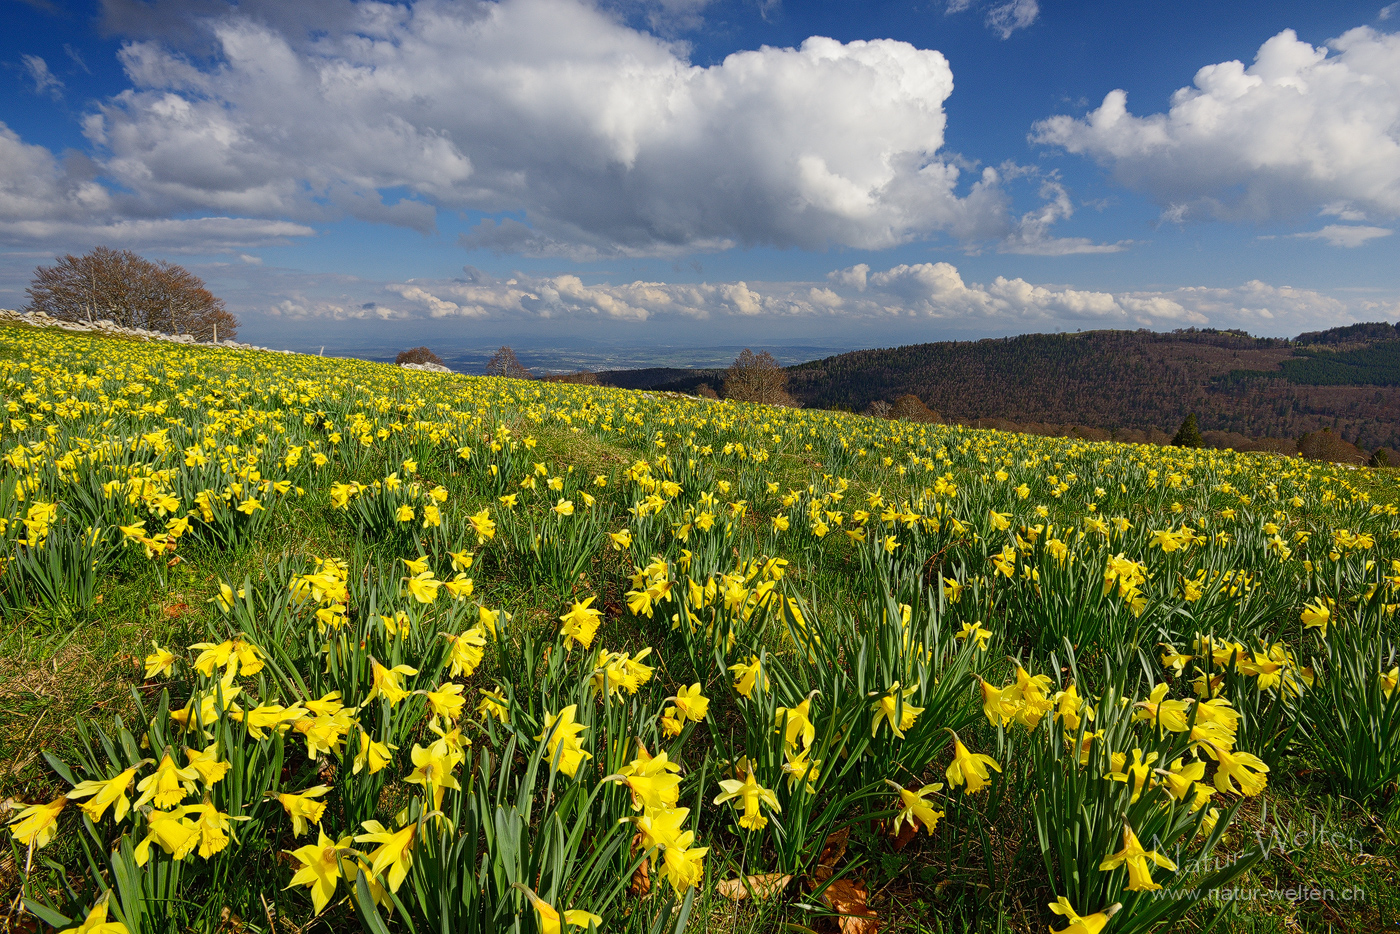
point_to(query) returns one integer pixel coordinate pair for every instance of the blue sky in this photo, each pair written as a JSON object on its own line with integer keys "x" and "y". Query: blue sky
{"x": 702, "y": 172}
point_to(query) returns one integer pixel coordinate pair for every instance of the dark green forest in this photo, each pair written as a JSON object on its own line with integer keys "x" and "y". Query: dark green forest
{"x": 1377, "y": 365}
{"x": 1127, "y": 383}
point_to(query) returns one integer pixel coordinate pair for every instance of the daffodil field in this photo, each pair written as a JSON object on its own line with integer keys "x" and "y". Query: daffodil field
{"x": 423, "y": 653}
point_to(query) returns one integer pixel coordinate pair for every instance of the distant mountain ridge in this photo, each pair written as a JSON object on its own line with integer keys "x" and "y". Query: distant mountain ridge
{"x": 1346, "y": 379}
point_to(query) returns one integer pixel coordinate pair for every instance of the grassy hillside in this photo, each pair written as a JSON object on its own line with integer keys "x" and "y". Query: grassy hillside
{"x": 1134, "y": 380}
{"x": 291, "y": 640}
{"x": 1135, "y": 384}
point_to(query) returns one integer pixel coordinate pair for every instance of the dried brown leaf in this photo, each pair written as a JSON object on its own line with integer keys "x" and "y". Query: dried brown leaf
{"x": 834, "y": 848}
{"x": 907, "y": 832}
{"x": 760, "y": 887}
{"x": 641, "y": 879}
{"x": 850, "y": 900}
{"x": 641, "y": 876}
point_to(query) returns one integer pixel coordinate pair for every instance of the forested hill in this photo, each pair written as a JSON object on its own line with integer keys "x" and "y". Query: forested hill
{"x": 1347, "y": 379}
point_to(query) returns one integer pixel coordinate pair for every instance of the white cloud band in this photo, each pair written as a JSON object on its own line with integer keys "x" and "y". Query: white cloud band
{"x": 933, "y": 293}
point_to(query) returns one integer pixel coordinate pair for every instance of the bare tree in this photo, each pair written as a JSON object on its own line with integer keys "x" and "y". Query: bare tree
{"x": 505, "y": 363}
{"x": 418, "y": 355}
{"x": 911, "y": 408}
{"x": 131, "y": 292}
{"x": 878, "y": 408}
{"x": 757, "y": 378}
{"x": 1325, "y": 446}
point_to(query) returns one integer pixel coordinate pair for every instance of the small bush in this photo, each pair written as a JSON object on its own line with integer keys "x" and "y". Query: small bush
{"x": 418, "y": 355}
{"x": 1325, "y": 446}
{"x": 911, "y": 408}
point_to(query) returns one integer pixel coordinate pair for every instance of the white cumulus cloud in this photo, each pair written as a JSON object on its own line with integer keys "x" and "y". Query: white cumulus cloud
{"x": 1300, "y": 130}
{"x": 605, "y": 137}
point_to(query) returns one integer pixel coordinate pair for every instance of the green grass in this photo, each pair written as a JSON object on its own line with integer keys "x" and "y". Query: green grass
{"x": 981, "y": 871}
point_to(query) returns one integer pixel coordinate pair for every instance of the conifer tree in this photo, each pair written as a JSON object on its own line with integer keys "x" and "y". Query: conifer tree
{"x": 1189, "y": 434}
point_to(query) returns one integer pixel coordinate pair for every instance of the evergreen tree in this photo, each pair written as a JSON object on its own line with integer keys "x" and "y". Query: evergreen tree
{"x": 1189, "y": 434}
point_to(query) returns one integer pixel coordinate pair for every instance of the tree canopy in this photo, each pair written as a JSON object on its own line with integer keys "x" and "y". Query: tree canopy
{"x": 418, "y": 355}
{"x": 756, "y": 378}
{"x": 1189, "y": 434}
{"x": 133, "y": 292}
{"x": 504, "y": 362}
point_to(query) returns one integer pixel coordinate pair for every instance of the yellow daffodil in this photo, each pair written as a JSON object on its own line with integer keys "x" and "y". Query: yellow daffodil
{"x": 433, "y": 768}
{"x": 691, "y": 704}
{"x": 894, "y": 708}
{"x": 551, "y": 921}
{"x": 168, "y": 785}
{"x": 796, "y": 723}
{"x": 652, "y": 780}
{"x": 387, "y": 684}
{"x": 1318, "y": 614}
{"x": 1136, "y": 859}
{"x": 748, "y": 676}
{"x": 302, "y": 809}
{"x": 1086, "y": 924}
{"x": 96, "y": 921}
{"x": 580, "y": 624}
{"x": 493, "y": 704}
{"x": 468, "y": 649}
{"x": 159, "y": 662}
{"x": 915, "y": 808}
{"x": 37, "y": 824}
{"x": 105, "y": 793}
{"x": 372, "y": 754}
{"x": 969, "y": 768}
{"x": 393, "y": 858}
{"x": 322, "y": 868}
{"x": 563, "y": 745}
{"x": 752, "y": 796}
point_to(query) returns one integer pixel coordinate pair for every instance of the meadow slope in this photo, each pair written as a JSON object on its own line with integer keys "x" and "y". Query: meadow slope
{"x": 292, "y": 640}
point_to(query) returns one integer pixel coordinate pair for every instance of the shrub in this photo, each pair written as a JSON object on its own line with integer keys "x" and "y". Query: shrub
{"x": 911, "y": 408}
{"x": 418, "y": 355}
{"x": 1325, "y": 446}
{"x": 580, "y": 378}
